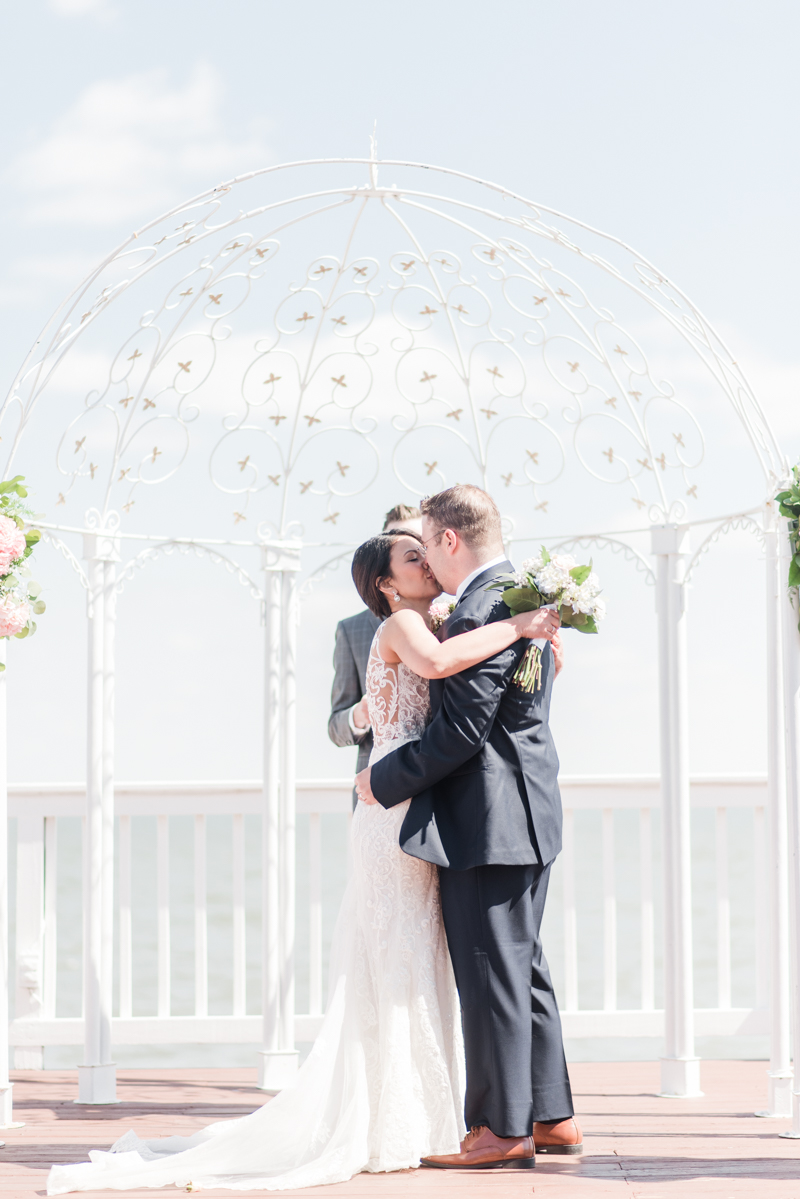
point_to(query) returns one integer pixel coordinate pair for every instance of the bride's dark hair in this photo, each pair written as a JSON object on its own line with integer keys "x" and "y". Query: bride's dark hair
{"x": 372, "y": 564}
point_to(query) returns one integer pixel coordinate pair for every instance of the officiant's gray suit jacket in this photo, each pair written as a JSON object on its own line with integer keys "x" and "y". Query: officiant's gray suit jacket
{"x": 484, "y": 774}
{"x": 353, "y": 640}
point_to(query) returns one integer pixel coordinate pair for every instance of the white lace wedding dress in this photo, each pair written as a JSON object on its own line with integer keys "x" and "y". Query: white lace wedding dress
{"x": 383, "y": 1085}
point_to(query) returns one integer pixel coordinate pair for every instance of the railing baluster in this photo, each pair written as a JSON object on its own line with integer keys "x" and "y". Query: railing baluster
{"x": 125, "y": 931}
{"x": 200, "y": 919}
{"x": 239, "y": 932}
{"x": 315, "y": 914}
{"x": 648, "y": 963}
{"x": 162, "y": 855}
{"x": 762, "y": 933}
{"x": 570, "y": 924}
{"x": 609, "y": 915}
{"x": 30, "y": 906}
{"x": 50, "y": 948}
{"x": 723, "y": 913}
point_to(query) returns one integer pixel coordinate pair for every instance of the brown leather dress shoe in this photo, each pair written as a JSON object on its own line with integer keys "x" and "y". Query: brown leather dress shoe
{"x": 565, "y": 1137}
{"x": 482, "y": 1150}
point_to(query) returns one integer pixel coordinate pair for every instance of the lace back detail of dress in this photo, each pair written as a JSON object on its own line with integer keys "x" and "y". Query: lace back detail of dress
{"x": 398, "y": 700}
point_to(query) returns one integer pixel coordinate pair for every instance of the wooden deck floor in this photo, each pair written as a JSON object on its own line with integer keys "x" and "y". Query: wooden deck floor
{"x": 637, "y": 1145}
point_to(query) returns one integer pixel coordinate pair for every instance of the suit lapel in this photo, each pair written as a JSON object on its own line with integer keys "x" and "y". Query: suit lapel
{"x": 499, "y": 568}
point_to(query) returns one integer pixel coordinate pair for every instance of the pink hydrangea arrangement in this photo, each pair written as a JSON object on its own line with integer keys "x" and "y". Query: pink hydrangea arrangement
{"x": 12, "y": 544}
{"x": 14, "y": 615}
{"x": 19, "y": 594}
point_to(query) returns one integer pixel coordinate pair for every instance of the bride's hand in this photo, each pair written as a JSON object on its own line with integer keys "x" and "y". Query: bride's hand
{"x": 363, "y": 788}
{"x": 544, "y": 622}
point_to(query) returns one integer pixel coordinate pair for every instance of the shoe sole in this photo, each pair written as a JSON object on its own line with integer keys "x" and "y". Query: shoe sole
{"x": 560, "y": 1149}
{"x": 519, "y": 1163}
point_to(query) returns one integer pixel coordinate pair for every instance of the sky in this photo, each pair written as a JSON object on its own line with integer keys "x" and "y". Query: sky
{"x": 673, "y": 127}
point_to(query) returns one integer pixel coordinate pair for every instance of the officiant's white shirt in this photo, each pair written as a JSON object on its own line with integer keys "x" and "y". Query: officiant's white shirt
{"x": 462, "y": 586}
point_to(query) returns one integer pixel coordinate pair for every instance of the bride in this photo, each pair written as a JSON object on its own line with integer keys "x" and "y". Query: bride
{"x": 383, "y": 1085}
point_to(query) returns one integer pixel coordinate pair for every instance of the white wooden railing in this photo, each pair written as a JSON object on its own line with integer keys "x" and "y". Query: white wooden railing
{"x": 39, "y": 1020}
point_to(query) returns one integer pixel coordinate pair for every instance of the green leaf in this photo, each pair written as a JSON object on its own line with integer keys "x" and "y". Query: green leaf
{"x": 545, "y": 556}
{"x": 32, "y": 626}
{"x": 581, "y": 621}
{"x": 39, "y": 607}
{"x": 501, "y": 582}
{"x": 34, "y": 589}
{"x": 33, "y": 537}
{"x": 794, "y": 571}
{"x": 523, "y": 599}
{"x": 2, "y": 667}
{"x": 580, "y": 573}
{"x": 782, "y": 495}
{"x": 22, "y": 633}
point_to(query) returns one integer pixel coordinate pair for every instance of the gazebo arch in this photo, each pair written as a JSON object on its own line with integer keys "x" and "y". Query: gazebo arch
{"x": 287, "y": 345}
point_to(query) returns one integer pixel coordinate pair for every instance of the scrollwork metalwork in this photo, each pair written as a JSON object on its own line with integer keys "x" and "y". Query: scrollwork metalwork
{"x": 306, "y": 343}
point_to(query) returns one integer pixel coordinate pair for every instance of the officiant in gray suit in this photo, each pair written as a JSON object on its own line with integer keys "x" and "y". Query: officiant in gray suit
{"x": 349, "y": 723}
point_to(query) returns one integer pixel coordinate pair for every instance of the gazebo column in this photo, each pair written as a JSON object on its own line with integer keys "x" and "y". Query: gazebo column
{"x": 6, "y": 1109}
{"x": 779, "y": 1096}
{"x": 97, "y": 1078}
{"x": 680, "y": 1068}
{"x": 278, "y": 1056}
{"x": 791, "y": 677}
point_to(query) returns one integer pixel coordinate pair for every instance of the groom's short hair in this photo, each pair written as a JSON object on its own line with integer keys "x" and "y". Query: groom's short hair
{"x": 469, "y": 511}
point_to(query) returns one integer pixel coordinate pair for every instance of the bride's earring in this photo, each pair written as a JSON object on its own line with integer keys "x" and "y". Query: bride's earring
{"x": 395, "y": 596}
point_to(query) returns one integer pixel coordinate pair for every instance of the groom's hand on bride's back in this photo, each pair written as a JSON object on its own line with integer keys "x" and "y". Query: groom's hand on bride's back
{"x": 363, "y": 788}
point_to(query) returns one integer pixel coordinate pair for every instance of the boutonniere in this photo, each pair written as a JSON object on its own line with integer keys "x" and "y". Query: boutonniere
{"x": 439, "y": 612}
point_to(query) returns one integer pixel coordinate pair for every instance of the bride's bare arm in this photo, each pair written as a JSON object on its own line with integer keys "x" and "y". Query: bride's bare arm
{"x": 406, "y": 638}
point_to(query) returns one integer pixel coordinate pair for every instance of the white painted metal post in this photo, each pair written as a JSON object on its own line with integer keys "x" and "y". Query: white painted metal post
{"x": 779, "y": 1095}
{"x": 791, "y": 679}
{"x": 6, "y": 1110}
{"x": 278, "y": 1059}
{"x": 107, "y": 930}
{"x": 680, "y": 1068}
{"x": 269, "y": 1063}
{"x": 97, "y": 1075}
{"x": 289, "y": 613}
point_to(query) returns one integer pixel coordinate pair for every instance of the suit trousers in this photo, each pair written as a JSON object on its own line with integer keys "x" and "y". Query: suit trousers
{"x": 516, "y": 1069}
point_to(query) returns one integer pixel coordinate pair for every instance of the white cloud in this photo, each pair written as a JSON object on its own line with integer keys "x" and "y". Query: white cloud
{"x": 131, "y": 147}
{"x": 28, "y": 280}
{"x": 77, "y": 8}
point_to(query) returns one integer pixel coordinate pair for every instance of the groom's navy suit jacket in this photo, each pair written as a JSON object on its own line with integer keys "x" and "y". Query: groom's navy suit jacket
{"x": 484, "y": 774}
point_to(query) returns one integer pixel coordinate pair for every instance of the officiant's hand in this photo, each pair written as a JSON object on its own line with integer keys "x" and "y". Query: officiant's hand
{"x": 363, "y": 788}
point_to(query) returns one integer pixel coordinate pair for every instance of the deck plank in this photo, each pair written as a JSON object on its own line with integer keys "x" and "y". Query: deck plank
{"x": 638, "y": 1146}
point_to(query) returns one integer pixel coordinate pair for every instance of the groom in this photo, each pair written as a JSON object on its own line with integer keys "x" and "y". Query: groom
{"x": 487, "y": 811}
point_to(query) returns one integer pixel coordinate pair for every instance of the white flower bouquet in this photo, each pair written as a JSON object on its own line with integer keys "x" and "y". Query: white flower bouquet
{"x": 551, "y": 581}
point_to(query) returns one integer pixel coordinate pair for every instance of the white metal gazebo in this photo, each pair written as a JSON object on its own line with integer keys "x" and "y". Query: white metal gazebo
{"x": 290, "y": 348}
